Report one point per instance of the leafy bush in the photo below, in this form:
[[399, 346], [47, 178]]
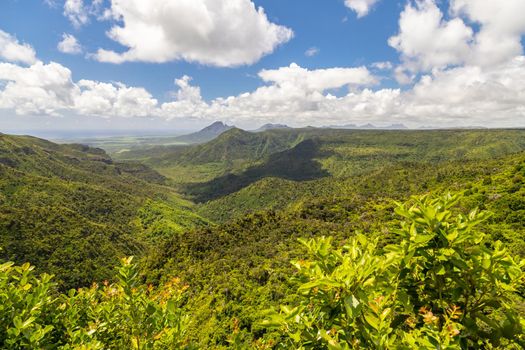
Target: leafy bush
[[124, 315], [443, 286]]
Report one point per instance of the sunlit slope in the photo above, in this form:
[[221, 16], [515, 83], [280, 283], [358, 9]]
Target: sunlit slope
[[72, 211]]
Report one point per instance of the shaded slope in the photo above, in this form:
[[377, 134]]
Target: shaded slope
[[297, 164]]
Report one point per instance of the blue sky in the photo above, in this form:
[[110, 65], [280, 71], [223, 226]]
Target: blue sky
[[429, 50], [342, 39]]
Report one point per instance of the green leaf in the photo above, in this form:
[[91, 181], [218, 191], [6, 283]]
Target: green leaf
[[372, 320]]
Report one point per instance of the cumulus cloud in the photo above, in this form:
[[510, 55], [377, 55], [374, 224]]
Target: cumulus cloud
[[465, 95], [188, 102], [113, 100], [471, 95], [502, 26], [460, 96], [69, 45], [456, 79], [361, 7], [48, 89], [319, 79], [218, 33], [12, 50], [38, 89], [426, 41]]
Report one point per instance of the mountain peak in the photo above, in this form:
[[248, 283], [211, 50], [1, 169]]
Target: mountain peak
[[216, 125], [207, 134]]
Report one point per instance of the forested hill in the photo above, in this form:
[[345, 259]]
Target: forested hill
[[242, 171], [72, 211], [234, 145], [242, 267]]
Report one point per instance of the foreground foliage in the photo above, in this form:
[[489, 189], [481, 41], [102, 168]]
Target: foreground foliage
[[123, 315], [440, 287]]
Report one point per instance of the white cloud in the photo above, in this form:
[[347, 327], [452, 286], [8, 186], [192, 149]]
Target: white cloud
[[291, 91], [426, 41], [69, 44], [460, 96], [113, 100], [186, 91], [319, 79], [51, 3], [467, 95], [76, 12], [461, 84], [502, 26], [79, 12], [313, 51], [38, 89], [471, 95], [12, 50], [48, 89], [188, 102], [219, 33], [361, 7]]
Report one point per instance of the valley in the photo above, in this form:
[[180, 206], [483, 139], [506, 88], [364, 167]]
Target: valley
[[225, 216]]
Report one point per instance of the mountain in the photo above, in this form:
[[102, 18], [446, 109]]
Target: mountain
[[398, 126], [388, 127], [72, 211], [234, 145], [267, 127], [207, 134], [369, 126]]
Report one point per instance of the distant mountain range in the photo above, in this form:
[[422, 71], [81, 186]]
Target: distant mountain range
[[473, 127], [266, 127], [207, 134], [216, 129], [370, 127]]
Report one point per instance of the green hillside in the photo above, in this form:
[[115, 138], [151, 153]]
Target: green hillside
[[313, 158], [217, 232], [245, 262], [72, 211], [233, 145]]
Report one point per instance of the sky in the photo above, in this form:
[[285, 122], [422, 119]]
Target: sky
[[171, 65]]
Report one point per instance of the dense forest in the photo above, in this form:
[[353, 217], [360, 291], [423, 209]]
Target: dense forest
[[282, 239]]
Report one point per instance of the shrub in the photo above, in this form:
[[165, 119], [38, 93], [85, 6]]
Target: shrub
[[443, 286], [122, 315]]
